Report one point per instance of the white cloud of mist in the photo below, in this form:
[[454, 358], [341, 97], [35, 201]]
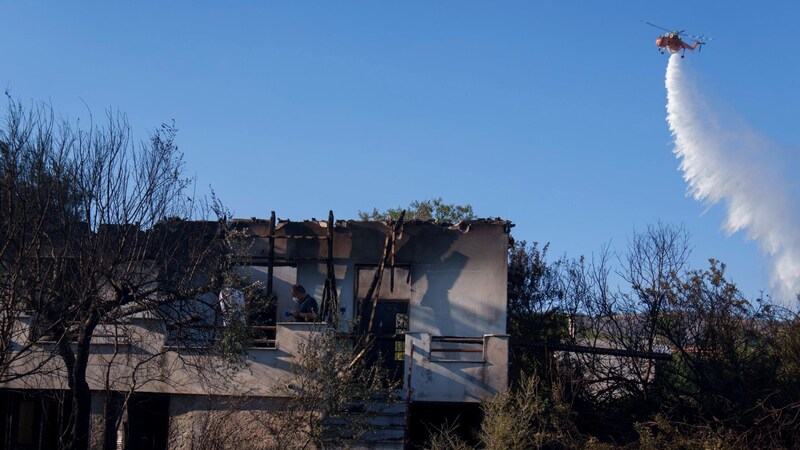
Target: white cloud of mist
[[723, 160]]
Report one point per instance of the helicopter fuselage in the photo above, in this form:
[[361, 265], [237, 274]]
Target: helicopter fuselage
[[673, 43]]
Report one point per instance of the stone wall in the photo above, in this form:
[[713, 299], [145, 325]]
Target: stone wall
[[200, 423]]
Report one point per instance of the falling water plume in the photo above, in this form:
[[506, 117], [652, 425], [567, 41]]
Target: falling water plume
[[722, 160]]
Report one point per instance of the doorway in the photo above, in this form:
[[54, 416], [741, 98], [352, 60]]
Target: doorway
[[391, 318]]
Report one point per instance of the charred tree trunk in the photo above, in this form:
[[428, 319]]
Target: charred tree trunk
[[78, 438], [111, 413]]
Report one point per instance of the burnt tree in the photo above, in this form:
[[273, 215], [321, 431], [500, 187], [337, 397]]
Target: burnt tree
[[94, 231]]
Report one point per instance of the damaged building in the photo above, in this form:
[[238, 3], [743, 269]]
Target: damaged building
[[431, 297]]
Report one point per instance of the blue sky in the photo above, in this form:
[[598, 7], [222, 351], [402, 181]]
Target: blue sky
[[549, 114]]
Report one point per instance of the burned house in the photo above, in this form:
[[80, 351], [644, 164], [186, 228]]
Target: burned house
[[430, 296]]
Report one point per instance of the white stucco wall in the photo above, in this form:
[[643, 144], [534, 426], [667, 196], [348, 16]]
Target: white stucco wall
[[458, 276]]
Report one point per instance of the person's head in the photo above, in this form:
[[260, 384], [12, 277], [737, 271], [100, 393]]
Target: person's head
[[298, 292]]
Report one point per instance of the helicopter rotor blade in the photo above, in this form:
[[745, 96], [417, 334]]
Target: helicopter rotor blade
[[660, 28], [682, 33], [701, 38]]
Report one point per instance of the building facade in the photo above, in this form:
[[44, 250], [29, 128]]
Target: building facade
[[432, 295]]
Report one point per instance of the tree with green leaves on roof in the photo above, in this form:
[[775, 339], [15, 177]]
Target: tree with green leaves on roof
[[431, 209]]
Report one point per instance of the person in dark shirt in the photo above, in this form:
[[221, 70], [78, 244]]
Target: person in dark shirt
[[307, 307]]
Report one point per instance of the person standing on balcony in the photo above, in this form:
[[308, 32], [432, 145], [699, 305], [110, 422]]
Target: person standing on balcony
[[307, 307]]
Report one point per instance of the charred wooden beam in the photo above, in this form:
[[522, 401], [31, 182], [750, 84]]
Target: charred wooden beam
[[271, 254], [375, 286], [331, 281]]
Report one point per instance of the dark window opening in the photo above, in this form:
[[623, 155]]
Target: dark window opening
[[33, 420], [147, 427]]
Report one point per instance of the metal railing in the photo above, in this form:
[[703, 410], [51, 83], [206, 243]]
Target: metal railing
[[448, 345]]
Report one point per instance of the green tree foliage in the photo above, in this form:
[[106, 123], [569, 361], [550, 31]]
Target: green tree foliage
[[536, 313], [735, 362], [730, 362], [532, 414], [535, 294], [432, 209]]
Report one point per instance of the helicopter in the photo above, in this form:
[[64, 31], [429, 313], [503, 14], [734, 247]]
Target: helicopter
[[672, 41]]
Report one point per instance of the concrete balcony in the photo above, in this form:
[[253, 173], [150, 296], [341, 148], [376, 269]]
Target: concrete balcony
[[456, 369]]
